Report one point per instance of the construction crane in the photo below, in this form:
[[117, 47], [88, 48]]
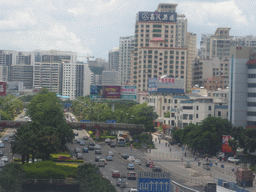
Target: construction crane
[[87, 57]]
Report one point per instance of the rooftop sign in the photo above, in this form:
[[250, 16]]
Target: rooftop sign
[[157, 16]]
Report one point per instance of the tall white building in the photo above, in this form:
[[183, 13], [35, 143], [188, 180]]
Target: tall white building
[[69, 79], [88, 79], [126, 47], [113, 59]]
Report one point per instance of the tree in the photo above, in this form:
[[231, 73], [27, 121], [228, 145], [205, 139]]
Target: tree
[[11, 177]]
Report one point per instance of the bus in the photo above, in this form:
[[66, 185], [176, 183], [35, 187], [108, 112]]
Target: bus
[[120, 142]]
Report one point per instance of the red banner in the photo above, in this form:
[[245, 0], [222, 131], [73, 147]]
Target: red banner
[[2, 88]]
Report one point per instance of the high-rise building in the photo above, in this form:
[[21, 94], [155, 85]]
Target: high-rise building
[[192, 53], [110, 78], [242, 94], [22, 73], [67, 78], [113, 59], [155, 53], [126, 47], [88, 79], [3, 73], [6, 59]]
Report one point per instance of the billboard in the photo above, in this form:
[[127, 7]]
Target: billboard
[[157, 16], [96, 91], [2, 88], [166, 85], [225, 146], [112, 92], [128, 92]]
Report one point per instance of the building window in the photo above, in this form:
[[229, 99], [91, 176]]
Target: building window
[[169, 100], [251, 84], [175, 101], [251, 75], [219, 113], [187, 107], [168, 108], [185, 116], [209, 108], [190, 117], [163, 107], [251, 94], [197, 116], [250, 113], [165, 100], [197, 107], [157, 26], [251, 104]]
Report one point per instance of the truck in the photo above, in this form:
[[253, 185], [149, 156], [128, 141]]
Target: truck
[[245, 177]]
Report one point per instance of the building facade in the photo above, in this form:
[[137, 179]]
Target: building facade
[[110, 78], [113, 59], [126, 47], [154, 53]]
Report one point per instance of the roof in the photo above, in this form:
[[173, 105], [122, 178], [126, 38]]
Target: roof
[[251, 62], [157, 39]]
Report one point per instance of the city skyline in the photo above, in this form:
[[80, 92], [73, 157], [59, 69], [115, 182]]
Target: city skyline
[[95, 27]]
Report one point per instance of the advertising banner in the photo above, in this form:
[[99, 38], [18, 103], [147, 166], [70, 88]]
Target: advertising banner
[[225, 146], [96, 91], [166, 85], [112, 92], [128, 96], [128, 90], [2, 88], [157, 16]]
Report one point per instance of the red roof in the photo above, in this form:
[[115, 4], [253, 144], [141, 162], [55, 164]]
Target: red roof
[[251, 62], [157, 39]]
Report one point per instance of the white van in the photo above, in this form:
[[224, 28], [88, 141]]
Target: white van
[[101, 163]]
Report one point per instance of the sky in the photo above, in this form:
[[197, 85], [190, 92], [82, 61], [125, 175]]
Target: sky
[[94, 26]]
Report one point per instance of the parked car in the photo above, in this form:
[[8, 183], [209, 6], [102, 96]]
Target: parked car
[[157, 169], [102, 163], [233, 160], [1, 153], [97, 147], [107, 140], [125, 156], [91, 144], [64, 158], [131, 176], [147, 164], [85, 138], [4, 158], [6, 139], [97, 151], [91, 147], [79, 156], [131, 158], [111, 153], [112, 145], [78, 140], [130, 166], [115, 174], [110, 142], [85, 150], [120, 182], [76, 134], [137, 162], [12, 135], [109, 158], [97, 158]]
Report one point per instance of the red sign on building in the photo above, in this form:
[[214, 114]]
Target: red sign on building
[[225, 145], [2, 88]]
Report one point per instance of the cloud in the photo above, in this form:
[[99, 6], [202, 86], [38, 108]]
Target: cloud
[[209, 12], [19, 20]]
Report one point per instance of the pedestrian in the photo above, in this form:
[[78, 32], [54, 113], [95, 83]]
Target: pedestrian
[[159, 141], [168, 144], [222, 166], [216, 163], [233, 169], [199, 162], [149, 150], [207, 159], [170, 149], [165, 144], [185, 154]]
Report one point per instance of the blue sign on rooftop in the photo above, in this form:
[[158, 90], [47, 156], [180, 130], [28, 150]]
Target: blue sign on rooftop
[[154, 185], [110, 121]]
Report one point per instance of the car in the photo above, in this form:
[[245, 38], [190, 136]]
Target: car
[[97, 147], [112, 145], [107, 140], [2, 145], [4, 158], [233, 160], [6, 139], [78, 140], [125, 156], [91, 144], [115, 174], [79, 156], [1, 153], [110, 142], [130, 166], [2, 164], [97, 158], [77, 150], [132, 190], [137, 161], [102, 163], [109, 158], [131, 176], [157, 169], [12, 135], [97, 151], [85, 138], [76, 134], [91, 147], [64, 158], [121, 182], [82, 143], [111, 153], [85, 150], [131, 158]]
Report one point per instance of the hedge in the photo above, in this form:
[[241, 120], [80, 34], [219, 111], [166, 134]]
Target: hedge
[[56, 160], [44, 170], [60, 154]]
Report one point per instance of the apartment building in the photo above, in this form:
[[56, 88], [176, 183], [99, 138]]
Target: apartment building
[[88, 79], [110, 78], [242, 91], [22, 73], [126, 47], [113, 59], [155, 53]]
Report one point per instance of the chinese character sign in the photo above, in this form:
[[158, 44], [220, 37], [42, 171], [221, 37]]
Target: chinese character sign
[[157, 16], [112, 92], [225, 145]]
